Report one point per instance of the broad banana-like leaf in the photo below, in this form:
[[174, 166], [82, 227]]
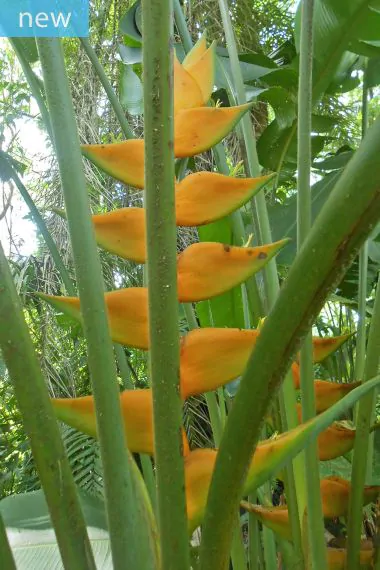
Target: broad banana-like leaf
[[336, 558], [197, 130], [202, 70], [127, 314], [208, 269], [124, 161], [187, 93], [205, 197], [137, 412]]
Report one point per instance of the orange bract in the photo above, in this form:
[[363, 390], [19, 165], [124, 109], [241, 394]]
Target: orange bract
[[127, 314], [328, 393], [208, 269], [196, 51], [124, 161], [204, 197], [275, 518], [211, 357], [326, 345], [197, 130], [335, 493], [137, 412], [336, 558], [202, 70], [187, 92], [336, 440], [122, 232]]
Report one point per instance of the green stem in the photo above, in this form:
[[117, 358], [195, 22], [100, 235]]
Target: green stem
[[7, 560], [316, 530], [115, 104], [150, 481], [125, 371], [264, 232], [238, 555], [126, 535], [33, 82], [162, 281], [253, 536], [180, 23], [42, 428], [362, 436], [329, 248], [363, 261]]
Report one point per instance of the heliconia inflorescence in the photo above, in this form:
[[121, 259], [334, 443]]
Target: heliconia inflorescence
[[209, 357]]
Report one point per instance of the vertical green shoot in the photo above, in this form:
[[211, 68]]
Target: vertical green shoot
[[42, 428], [362, 440], [162, 280], [127, 533], [316, 532], [363, 261]]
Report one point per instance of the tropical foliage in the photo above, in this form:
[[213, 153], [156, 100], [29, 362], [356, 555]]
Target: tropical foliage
[[233, 419]]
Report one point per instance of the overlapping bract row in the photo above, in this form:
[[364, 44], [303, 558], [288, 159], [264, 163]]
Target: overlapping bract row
[[210, 357]]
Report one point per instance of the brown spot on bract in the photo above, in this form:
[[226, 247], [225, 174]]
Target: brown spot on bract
[[262, 255], [226, 248]]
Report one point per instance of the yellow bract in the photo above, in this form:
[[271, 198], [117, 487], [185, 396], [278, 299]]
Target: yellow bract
[[122, 232], [328, 393], [275, 518], [124, 161], [202, 69], [196, 51], [336, 558], [127, 314], [204, 197], [211, 357], [336, 440], [187, 92], [137, 413], [197, 130], [208, 269]]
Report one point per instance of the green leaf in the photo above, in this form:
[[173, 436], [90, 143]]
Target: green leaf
[[282, 103], [130, 55], [334, 162], [32, 537], [373, 72], [271, 144], [130, 25], [131, 91], [28, 47], [227, 309], [283, 217]]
